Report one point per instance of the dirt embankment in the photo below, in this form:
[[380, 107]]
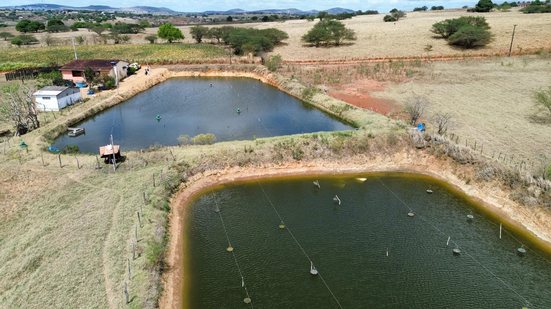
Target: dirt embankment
[[493, 198]]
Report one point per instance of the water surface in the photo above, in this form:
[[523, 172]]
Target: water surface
[[349, 245], [230, 108]]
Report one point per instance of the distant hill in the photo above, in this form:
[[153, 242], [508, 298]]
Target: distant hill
[[166, 11]]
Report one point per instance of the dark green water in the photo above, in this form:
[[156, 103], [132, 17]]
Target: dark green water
[[194, 106], [348, 245]]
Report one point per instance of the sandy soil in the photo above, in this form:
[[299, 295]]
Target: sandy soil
[[492, 198], [358, 94]]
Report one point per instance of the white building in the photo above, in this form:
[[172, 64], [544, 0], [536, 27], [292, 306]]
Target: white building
[[54, 98]]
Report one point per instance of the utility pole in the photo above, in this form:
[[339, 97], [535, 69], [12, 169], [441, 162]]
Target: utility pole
[[512, 38]]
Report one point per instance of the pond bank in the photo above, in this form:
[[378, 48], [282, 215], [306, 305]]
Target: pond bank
[[492, 198], [140, 82]]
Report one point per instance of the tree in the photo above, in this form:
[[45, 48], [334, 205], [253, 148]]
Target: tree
[[6, 35], [436, 8], [56, 25], [215, 33], [24, 39], [543, 99], [198, 32], [423, 8], [415, 108], [322, 15], [151, 38], [470, 37], [89, 76], [484, 6], [17, 105], [229, 19], [442, 121], [328, 31], [26, 25], [448, 27], [170, 33]]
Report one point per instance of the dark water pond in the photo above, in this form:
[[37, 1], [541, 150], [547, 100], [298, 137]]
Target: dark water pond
[[348, 245], [201, 105]]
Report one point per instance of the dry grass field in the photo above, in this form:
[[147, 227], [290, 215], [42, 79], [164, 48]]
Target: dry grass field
[[491, 102], [406, 38]]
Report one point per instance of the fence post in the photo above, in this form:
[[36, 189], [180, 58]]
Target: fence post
[[59, 158]]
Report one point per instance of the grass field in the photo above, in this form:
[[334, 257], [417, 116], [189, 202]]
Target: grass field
[[491, 102], [14, 58]]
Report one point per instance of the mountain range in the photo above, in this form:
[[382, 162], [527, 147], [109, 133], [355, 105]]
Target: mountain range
[[167, 11]]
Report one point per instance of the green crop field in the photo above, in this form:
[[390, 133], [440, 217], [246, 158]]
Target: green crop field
[[17, 58]]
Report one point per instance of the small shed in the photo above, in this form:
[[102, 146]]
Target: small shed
[[110, 153], [54, 98]]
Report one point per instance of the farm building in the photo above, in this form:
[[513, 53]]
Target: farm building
[[74, 70], [54, 98]]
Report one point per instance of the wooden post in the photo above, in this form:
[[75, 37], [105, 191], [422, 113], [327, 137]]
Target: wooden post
[[136, 232], [173, 157], [78, 164], [475, 145], [59, 158], [129, 271], [139, 218], [126, 295], [97, 163], [42, 158], [144, 198], [153, 180], [133, 250]]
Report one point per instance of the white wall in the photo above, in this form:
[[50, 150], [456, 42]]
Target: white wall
[[122, 66], [54, 104]]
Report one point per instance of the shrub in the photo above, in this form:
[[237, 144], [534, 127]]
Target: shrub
[[328, 32], [543, 99], [70, 149], [244, 40], [537, 7], [24, 39], [6, 35], [26, 25], [151, 38], [273, 62], [470, 37], [184, 139], [421, 9], [198, 32], [56, 25], [437, 8], [204, 139], [389, 18], [466, 31]]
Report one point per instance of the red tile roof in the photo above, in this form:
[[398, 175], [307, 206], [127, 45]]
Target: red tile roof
[[95, 64]]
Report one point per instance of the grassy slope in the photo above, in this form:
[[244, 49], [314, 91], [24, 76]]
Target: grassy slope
[[15, 58]]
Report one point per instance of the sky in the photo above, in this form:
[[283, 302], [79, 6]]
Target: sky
[[204, 5]]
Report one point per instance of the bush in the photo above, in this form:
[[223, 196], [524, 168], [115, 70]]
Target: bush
[[470, 37], [198, 32], [389, 18], [204, 139], [421, 9], [537, 7], [24, 39], [448, 27], [70, 149], [6, 35], [151, 38], [328, 32], [543, 99], [466, 31], [273, 62], [244, 40], [184, 139], [56, 25], [437, 8]]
